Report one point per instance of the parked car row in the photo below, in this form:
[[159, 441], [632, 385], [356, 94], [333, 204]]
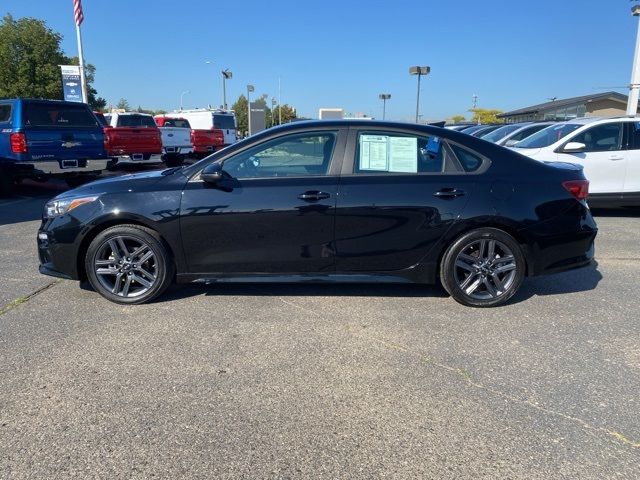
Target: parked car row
[[608, 149], [40, 139]]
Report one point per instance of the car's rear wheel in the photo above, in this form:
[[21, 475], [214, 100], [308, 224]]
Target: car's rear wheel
[[128, 264], [483, 268]]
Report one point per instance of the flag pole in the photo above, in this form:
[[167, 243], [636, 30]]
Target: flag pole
[[83, 79]]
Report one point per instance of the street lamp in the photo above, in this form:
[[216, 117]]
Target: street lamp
[[384, 97], [634, 88], [226, 75], [182, 95], [249, 90], [419, 71]]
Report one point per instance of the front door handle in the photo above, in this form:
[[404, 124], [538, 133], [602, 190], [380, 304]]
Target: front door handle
[[449, 193], [313, 196], [616, 157]]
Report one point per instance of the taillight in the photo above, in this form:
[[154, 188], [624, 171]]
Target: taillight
[[578, 188], [18, 143], [192, 136]]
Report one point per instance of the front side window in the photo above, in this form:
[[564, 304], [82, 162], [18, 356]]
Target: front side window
[[548, 136], [379, 152], [291, 156], [601, 138]]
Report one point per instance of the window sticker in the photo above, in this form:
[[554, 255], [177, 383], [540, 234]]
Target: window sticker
[[403, 154], [374, 152]]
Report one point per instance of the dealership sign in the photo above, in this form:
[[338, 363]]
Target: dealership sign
[[71, 85]]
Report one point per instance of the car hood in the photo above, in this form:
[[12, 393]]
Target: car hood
[[117, 184]]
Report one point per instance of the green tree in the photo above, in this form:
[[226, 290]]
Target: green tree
[[30, 56], [288, 113], [123, 105], [483, 115], [240, 109], [30, 59], [458, 118]]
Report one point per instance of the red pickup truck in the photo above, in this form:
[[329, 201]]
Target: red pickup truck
[[131, 137]]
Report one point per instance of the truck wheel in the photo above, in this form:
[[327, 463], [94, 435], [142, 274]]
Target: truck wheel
[[74, 182], [174, 161]]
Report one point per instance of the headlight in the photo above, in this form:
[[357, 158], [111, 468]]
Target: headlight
[[65, 205]]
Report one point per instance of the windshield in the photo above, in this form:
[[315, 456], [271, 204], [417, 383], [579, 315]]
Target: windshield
[[548, 136], [500, 133]]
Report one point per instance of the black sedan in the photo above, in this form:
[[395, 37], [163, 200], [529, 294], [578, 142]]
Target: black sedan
[[359, 201]]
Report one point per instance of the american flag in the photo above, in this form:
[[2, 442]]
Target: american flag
[[77, 11]]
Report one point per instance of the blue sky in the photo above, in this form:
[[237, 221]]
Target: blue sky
[[344, 53]]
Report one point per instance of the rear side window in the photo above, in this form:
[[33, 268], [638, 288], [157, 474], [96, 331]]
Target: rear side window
[[5, 113], [224, 122], [391, 152], [470, 161], [136, 121], [53, 115], [634, 141]]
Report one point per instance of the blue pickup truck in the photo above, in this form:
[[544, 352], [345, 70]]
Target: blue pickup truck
[[40, 139]]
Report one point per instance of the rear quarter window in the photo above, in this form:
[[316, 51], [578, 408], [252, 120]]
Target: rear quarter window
[[54, 115], [470, 161], [5, 113]]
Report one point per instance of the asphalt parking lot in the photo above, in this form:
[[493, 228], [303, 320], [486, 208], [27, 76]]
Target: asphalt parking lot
[[327, 381]]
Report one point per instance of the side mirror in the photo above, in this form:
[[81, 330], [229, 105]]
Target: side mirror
[[574, 147], [510, 143], [212, 173]]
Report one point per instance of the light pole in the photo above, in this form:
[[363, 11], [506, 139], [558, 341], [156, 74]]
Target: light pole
[[419, 71], [182, 95], [634, 88], [249, 90], [274, 102], [226, 75], [384, 97]]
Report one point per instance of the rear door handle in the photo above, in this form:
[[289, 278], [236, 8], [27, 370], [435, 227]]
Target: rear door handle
[[449, 193], [616, 157], [313, 196]]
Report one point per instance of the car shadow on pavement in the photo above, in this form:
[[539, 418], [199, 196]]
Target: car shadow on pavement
[[615, 212], [572, 281], [177, 292], [580, 280]]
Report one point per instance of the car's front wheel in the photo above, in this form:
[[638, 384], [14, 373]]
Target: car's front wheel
[[483, 268], [128, 264]]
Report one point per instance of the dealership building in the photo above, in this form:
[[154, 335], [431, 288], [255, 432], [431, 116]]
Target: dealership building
[[607, 104]]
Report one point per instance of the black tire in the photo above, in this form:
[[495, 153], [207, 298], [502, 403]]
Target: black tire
[[471, 278], [173, 160], [160, 265], [80, 180]]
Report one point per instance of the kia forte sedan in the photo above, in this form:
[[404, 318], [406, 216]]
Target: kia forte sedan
[[344, 201]]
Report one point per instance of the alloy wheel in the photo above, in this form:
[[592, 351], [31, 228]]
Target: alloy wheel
[[126, 266], [485, 269]]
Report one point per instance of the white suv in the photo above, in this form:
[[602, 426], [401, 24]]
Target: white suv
[[607, 148]]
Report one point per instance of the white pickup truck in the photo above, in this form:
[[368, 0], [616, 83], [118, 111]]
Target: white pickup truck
[[176, 139]]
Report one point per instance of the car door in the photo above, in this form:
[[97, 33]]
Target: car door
[[399, 193], [604, 157], [273, 212]]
